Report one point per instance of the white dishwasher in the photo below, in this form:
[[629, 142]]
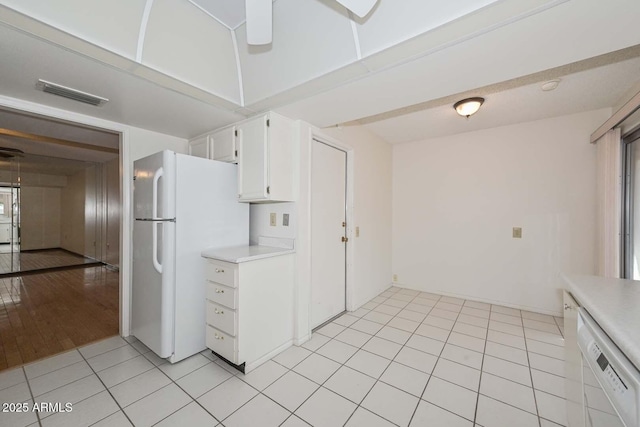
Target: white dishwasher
[[611, 384]]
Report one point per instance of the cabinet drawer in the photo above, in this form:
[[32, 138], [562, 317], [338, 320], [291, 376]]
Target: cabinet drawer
[[219, 273], [222, 318], [223, 344], [222, 295]]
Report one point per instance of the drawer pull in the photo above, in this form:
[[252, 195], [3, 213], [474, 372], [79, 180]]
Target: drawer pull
[[219, 270], [216, 311], [219, 337], [219, 291]]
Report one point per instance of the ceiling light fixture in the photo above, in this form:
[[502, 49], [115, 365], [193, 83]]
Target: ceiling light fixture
[[550, 85], [468, 106]]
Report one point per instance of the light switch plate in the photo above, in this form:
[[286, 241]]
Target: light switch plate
[[357, 231], [273, 219], [517, 232]]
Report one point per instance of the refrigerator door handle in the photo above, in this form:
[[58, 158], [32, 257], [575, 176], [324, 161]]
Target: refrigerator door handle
[[156, 177], [154, 243]]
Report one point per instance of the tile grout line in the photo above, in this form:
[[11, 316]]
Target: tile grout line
[[420, 399], [533, 388], [345, 365], [33, 399], [184, 391], [358, 405], [105, 386], [385, 370], [484, 352]]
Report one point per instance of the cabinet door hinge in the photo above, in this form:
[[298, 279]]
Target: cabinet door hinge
[[236, 153], [268, 122], [268, 189], [235, 132]]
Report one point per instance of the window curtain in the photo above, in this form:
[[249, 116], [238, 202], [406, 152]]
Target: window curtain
[[609, 187]]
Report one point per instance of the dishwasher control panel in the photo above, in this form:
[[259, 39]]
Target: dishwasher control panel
[[609, 373]]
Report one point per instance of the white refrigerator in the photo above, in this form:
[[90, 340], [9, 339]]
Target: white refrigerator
[[182, 205]]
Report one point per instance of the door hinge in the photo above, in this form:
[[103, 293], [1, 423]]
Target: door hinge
[[268, 122], [268, 189], [236, 153], [235, 132]]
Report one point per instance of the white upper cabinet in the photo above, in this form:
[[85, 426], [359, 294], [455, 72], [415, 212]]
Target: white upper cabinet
[[224, 145], [266, 155], [201, 146]]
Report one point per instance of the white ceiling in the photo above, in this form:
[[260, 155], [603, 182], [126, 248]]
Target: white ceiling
[[593, 89], [231, 13], [59, 156], [43, 165], [189, 73]]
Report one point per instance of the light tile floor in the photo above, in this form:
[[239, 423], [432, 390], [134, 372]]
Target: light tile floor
[[405, 358]]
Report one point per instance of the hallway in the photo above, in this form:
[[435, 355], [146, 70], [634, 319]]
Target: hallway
[[44, 314]]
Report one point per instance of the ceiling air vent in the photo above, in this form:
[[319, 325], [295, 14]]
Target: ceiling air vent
[[67, 92]]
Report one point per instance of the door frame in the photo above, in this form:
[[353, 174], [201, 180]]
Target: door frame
[[302, 310]]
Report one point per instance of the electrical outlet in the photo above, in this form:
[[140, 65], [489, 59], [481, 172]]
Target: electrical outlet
[[395, 277], [517, 232], [285, 220], [273, 219], [357, 231]]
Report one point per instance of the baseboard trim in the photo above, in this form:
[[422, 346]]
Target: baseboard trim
[[486, 301], [50, 269]]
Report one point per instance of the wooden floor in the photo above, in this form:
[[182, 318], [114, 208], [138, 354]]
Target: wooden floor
[[37, 260], [44, 314]]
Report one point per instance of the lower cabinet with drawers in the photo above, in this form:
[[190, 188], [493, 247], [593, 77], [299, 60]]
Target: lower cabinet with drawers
[[249, 309]]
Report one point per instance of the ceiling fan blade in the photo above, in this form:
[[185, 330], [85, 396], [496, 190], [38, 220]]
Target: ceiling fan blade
[[259, 21], [359, 7]]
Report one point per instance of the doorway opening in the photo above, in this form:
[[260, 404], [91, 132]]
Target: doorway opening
[[60, 202]]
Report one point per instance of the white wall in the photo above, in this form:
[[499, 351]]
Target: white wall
[[73, 223], [259, 217], [456, 199], [40, 214], [371, 210]]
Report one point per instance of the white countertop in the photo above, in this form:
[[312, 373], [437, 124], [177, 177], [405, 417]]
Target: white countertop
[[238, 254], [615, 305]]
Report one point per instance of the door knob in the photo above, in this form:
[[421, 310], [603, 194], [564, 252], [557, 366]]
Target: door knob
[[345, 239]]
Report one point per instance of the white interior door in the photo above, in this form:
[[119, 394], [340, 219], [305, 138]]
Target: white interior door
[[328, 228]]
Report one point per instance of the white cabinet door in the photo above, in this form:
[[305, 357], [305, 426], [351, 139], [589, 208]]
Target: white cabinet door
[[224, 145], [253, 151], [266, 158], [572, 364], [200, 147]]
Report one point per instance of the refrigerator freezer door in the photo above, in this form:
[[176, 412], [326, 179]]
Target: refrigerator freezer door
[[154, 186], [153, 285]]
